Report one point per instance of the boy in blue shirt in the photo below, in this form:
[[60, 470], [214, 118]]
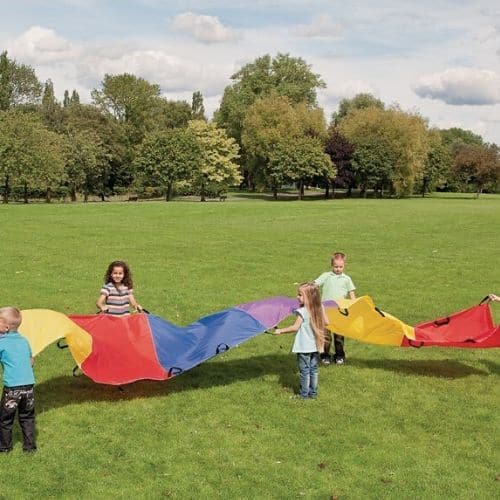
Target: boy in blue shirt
[[18, 381], [336, 285]]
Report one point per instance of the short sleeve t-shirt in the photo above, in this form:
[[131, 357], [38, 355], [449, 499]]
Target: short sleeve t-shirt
[[117, 299], [15, 358], [305, 341], [335, 286]]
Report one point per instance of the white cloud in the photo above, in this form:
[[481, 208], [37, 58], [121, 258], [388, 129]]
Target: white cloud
[[41, 45], [322, 26], [461, 86], [207, 29]]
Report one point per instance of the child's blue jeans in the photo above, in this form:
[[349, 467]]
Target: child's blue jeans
[[308, 368]]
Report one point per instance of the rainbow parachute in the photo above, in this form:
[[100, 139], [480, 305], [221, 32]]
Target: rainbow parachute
[[114, 350]]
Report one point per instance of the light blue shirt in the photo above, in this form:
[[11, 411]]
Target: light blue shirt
[[335, 286], [305, 341], [15, 358]]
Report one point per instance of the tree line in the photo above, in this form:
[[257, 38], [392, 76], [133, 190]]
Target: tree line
[[267, 132]]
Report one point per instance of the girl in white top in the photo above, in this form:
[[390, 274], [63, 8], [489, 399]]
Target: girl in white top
[[310, 339]]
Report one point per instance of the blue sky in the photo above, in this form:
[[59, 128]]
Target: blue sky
[[440, 58]]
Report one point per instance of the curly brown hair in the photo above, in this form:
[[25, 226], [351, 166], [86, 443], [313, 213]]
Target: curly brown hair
[[127, 273]]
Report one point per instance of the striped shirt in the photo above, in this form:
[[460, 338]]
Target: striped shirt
[[117, 299]]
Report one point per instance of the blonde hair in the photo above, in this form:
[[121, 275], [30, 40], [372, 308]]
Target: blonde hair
[[338, 256], [312, 302], [12, 316]]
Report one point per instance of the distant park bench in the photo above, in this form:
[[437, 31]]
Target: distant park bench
[[133, 197]]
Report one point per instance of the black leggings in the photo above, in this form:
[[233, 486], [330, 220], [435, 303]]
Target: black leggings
[[20, 399]]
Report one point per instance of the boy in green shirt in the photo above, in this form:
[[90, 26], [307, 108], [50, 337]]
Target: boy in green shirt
[[336, 285]]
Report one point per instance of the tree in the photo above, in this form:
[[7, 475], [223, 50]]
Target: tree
[[217, 168], [131, 100], [359, 101], [390, 147], [167, 156], [436, 164], [197, 107], [50, 109], [297, 160], [83, 155], [18, 84], [284, 75], [109, 135], [341, 152], [272, 120], [170, 114], [30, 154], [478, 165]]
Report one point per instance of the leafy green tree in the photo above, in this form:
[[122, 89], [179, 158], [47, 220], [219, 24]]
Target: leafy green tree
[[390, 147], [359, 101], [437, 163], [272, 120], [30, 155], [83, 161], [18, 84], [297, 160], [166, 157], [217, 168], [51, 111], [197, 107], [131, 100], [170, 114], [108, 135], [455, 136], [284, 75]]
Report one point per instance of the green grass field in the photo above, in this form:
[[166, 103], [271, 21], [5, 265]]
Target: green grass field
[[391, 423]]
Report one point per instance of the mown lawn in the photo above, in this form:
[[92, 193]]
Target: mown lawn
[[391, 423]]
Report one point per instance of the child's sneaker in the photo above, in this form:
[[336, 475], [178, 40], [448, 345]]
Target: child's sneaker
[[325, 359], [339, 360]]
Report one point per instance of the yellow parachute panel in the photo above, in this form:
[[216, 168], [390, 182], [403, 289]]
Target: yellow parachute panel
[[43, 327], [361, 320]]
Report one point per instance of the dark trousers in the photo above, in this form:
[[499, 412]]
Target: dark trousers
[[20, 399], [338, 343]]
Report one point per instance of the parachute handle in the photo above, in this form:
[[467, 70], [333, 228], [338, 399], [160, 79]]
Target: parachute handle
[[486, 299], [344, 312], [75, 369], [221, 348], [442, 321], [414, 344], [380, 312], [175, 370], [61, 346]]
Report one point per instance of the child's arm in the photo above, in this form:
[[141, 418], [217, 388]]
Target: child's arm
[[325, 317], [352, 295], [101, 303], [133, 303], [290, 329]]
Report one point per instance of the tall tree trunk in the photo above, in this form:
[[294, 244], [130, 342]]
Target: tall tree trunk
[[275, 193], [72, 193], [327, 191], [6, 190], [25, 192], [168, 193], [301, 189], [48, 196]]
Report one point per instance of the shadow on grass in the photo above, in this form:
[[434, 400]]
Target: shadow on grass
[[450, 369], [66, 390]]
